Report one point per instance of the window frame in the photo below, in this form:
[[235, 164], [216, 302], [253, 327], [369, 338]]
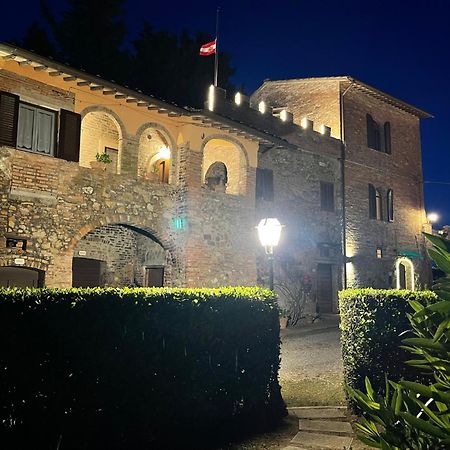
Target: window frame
[[53, 133]]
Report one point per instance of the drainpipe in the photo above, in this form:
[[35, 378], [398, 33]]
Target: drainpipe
[[342, 159]]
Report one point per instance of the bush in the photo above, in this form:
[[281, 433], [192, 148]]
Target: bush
[[372, 325], [131, 368]]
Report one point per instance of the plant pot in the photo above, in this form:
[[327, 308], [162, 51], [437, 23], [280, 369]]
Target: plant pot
[[97, 165]]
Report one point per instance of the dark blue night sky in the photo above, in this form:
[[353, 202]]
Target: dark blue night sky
[[401, 47]]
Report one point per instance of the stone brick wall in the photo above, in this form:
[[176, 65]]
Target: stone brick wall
[[296, 204], [319, 100], [305, 98]]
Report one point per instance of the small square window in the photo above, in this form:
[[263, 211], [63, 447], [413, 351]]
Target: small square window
[[379, 252]]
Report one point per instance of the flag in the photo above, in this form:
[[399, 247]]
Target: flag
[[208, 49]]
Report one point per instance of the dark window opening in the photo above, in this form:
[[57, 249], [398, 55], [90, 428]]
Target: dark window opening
[[378, 135], [154, 277], [326, 196], [264, 184]]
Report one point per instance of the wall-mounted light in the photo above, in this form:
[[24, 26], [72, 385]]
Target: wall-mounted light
[[211, 98], [262, 107], [433, 217], [238, 98], [304, 122], [283, 115], [164, 153]]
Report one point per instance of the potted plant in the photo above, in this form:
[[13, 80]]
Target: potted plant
[[101, 160]]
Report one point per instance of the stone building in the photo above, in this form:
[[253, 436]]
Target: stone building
[[178, 201]]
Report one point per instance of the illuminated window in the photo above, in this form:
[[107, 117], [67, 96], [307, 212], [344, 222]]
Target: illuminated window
[[379, 252]]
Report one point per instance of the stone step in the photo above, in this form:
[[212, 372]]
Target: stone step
[[318, 412], [326, 426], [321, 441]]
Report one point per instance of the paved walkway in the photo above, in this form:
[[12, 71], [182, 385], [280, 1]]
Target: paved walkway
[[321, 428]]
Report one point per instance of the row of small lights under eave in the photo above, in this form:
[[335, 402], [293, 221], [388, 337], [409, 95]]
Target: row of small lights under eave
[[306, 124]]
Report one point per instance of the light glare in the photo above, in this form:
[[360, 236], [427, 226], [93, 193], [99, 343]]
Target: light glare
[[433, 217], [269, 232], [262, 107]]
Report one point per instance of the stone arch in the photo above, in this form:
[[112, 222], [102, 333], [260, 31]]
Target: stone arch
[[152, 137], [405, 274], [170, 257], [229, 151], [29, 274], [102, 131]]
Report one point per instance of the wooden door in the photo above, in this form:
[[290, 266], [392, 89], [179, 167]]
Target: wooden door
[[87, 272], [154, 277], [21, 277], [324, 288]]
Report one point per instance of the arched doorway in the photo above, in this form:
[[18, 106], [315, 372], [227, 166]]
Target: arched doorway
[[100, 134], [11, 276], [223, 160], [118, 255], [405, 274], [155, 155]]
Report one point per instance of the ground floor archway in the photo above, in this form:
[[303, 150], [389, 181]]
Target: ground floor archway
[[119, 255]]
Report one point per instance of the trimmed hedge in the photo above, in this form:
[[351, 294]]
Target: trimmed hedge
[[126, 368], [372, 321]]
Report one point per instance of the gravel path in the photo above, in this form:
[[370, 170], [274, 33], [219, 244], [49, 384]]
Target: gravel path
[[314, 354], [311, 365]]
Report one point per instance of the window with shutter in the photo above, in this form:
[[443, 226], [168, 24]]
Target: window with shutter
[[373, 133], [69, 136], [264, 184], [379, 205], [9, 112], [390, 206], [36, 129], [387, 137], [326, 196], [372, 202]]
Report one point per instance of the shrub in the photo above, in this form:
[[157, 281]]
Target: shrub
[[373, 324], [411, 415], [128, 368]]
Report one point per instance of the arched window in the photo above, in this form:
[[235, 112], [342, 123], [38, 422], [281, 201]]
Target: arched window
[[216, 177], [375, 203], [390, 205]]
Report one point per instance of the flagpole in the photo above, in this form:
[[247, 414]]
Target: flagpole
[[216, 58]]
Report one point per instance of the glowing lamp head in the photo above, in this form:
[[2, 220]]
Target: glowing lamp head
[[304, 122], [238, 98], [283, 115], [269, 232], [433, 217], [164, 153], [262, 107]]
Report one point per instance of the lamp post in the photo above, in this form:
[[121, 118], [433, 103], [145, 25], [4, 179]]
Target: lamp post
[[269, 232]]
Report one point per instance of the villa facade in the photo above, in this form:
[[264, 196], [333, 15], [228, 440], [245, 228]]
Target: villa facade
[[178, 198]]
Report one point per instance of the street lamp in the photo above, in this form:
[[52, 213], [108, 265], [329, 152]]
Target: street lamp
[[433, 217], [269, 232]]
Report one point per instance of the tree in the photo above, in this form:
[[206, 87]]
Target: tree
[[171, 67], [93, 36]]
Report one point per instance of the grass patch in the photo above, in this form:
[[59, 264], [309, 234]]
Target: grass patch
[[304, 391]]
